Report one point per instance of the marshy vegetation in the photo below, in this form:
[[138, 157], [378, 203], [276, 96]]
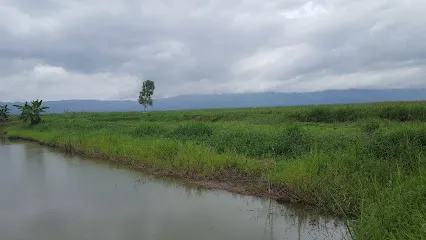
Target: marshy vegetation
[[364, 162]]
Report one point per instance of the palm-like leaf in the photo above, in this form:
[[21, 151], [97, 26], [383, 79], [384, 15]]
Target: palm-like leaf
[[31, 113], [4, 112]]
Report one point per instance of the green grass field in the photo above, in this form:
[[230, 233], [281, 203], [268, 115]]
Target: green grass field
[[364, 162]]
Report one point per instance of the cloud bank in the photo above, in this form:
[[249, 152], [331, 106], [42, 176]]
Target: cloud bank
[[94, 49]]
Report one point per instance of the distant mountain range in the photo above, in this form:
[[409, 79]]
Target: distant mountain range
[[267, 99]]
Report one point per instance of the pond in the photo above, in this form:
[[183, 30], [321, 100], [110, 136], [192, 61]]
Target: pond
[[49, 195]]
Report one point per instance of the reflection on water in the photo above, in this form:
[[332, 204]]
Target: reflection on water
[[48, 195]]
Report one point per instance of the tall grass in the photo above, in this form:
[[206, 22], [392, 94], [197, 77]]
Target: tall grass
[[364, 162], [399, 111]]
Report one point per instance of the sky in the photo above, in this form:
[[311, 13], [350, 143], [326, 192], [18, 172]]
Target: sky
[[96, 49]]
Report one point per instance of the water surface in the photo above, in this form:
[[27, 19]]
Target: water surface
[[46, 195]]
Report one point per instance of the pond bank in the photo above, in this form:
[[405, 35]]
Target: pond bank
[[258, 188], [47, 194]]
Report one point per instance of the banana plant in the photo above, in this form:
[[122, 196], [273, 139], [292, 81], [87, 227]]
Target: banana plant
[[31, 113], [37, 109], [4, 113], [25, 111]]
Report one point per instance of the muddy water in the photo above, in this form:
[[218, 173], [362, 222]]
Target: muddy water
[[48, 195]]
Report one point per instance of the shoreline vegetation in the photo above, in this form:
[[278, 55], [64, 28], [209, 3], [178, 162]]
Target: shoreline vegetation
[[363, 162]]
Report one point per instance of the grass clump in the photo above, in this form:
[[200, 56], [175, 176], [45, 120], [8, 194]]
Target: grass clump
[[190, 131], [293, 141], [402, 146], [370, 126], [242, 141], [147, 130]]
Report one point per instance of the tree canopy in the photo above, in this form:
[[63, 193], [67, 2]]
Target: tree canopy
[[145, 96]]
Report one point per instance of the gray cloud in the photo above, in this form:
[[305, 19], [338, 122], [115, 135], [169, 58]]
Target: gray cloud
[[78, 49]]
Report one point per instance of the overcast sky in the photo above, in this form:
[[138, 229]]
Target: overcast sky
[[97, 49]]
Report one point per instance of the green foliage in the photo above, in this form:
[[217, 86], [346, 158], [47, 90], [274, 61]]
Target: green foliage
[[370, 126], [292, 142], [4, 113], [401, 146], [192, 131], [251, 143], [327, 114], [319, 114], [279, 115], [145, 130], [31, 113], [145, 96], [286, 142], [398, 113]]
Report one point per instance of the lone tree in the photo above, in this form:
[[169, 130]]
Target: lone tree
[[145, 95]]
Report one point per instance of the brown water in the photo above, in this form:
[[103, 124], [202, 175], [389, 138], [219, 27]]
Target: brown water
[[45, 195]]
